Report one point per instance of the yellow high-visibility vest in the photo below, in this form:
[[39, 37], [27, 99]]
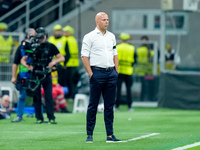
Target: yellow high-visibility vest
[[126, 58], [144, 66], [5, 48], [60, 43], [73, 50], [54, 76], [142, 55]]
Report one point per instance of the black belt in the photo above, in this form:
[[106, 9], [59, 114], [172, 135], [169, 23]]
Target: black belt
[[102, 69]]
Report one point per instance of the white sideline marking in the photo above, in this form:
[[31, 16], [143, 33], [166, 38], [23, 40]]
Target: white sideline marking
[[141, 137], [187, 146]]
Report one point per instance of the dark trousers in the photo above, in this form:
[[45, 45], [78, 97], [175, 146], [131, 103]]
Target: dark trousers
[[128, 81], [47, 85], [67, 77], [102, 82], [63, 76], [71, 82]]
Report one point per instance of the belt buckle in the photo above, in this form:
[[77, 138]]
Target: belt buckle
[[108, 69]]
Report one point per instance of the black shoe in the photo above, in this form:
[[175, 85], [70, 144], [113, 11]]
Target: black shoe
[[38, 121], [112, 140], [17, 119], [65, 110], [89, 139], [52, 121]]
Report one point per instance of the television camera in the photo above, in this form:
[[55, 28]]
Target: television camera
[[38, 57]]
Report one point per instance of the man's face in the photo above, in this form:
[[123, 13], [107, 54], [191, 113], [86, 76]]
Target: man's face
[[5, 101], [103, 21], [42, 40], [1, 30], [32, 34], [58, 33], [65, 33]]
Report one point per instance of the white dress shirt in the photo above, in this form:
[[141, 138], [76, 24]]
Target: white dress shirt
[[99, 48]]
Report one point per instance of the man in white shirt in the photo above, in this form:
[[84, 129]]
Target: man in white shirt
[[99, 56]]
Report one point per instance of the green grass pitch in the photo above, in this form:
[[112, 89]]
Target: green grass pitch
[[176, 127]]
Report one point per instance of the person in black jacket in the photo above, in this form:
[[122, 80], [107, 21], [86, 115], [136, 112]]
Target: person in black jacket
[[45, 80]]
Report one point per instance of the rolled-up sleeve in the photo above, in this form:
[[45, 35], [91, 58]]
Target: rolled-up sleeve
[[86, 46]]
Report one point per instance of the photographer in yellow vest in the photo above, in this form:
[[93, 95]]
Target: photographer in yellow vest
[[126, 55]]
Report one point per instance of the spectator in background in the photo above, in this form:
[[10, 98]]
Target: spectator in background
[[169, 57], [144, 55], [73, 63], [60, 42], [6, 46], [126, 55], [4, 105], [6, 43]]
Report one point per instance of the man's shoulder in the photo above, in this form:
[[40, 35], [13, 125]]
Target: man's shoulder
[[1, 106], [19, 49], [51, 37], [51, 46], [89, 36], [90, 33], [48, 43]]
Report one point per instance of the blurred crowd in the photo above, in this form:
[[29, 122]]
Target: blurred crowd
[[7, 5]]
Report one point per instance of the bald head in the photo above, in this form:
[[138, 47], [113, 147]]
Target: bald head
[[99, 15], [102, 21]]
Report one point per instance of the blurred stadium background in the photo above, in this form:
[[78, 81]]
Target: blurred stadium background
[[163, 21]]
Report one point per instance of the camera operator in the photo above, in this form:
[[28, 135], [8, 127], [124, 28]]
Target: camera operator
[[48, 50], [23, 73]]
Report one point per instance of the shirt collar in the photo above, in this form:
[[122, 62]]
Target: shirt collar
[[1, 106], [97, 31]]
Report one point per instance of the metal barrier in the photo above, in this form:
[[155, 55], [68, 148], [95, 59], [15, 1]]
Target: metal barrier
[[6, 70], [29, 13], [7, 57]]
